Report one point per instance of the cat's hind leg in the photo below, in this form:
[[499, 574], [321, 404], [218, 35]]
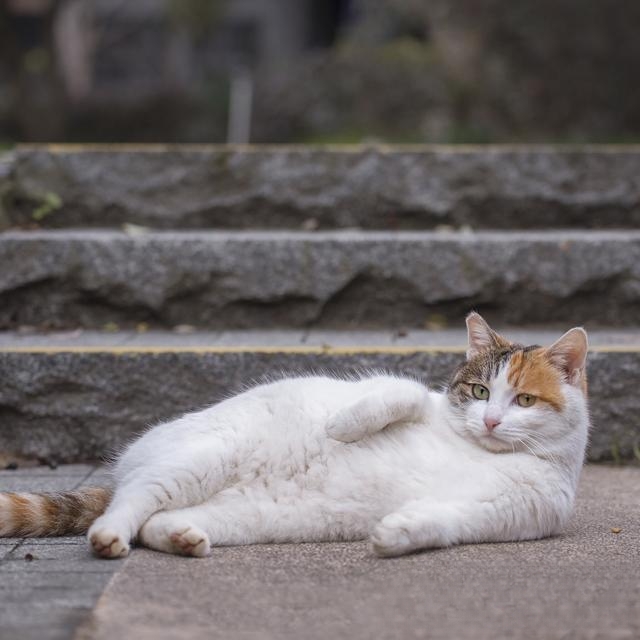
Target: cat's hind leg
[[234, 518], [185, 481], [193, 530]]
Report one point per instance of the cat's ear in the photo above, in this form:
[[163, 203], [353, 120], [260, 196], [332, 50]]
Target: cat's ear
[[481, 336], [569, 354]]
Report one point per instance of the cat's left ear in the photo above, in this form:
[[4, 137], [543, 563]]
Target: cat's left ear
[[569, 354]]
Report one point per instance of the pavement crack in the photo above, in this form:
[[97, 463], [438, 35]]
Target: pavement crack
[[85, 478]]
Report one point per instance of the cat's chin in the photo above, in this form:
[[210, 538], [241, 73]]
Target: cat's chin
[[491, 443]]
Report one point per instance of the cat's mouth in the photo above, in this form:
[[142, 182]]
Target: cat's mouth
[[493, 443]]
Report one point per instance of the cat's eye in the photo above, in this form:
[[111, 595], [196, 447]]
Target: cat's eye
[[480, 392], [526, 400]]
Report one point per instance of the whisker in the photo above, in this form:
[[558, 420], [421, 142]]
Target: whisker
[[544, 451]]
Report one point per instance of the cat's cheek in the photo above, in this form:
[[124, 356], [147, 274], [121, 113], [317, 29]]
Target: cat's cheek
[[475, 418]]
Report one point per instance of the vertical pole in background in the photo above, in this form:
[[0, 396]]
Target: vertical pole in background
[[240, 106]]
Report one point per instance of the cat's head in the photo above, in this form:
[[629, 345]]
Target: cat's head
[[511, 397]]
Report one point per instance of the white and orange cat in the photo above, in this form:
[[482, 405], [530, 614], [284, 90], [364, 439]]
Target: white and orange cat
[[494, 457]]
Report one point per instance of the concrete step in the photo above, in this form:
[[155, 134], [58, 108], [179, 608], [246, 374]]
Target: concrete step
[[81, 395], [375, 187], [49, 586], [285, 591], [339, 279]]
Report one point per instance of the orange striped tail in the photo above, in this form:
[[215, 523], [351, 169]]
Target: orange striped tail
[[51, 514]]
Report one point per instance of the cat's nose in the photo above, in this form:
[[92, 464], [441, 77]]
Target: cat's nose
[[491, 423]]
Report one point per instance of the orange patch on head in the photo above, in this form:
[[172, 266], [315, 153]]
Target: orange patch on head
[[531, 372]]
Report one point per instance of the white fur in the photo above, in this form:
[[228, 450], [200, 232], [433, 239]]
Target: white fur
[[316, 458]]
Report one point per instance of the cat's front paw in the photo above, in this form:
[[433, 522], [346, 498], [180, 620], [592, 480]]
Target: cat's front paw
[[344, 430], [391, 537]]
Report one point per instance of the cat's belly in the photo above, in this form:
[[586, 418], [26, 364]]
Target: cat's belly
[[285, 453], [271, 443], [378, 473]]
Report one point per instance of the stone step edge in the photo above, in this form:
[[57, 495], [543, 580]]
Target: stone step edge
[[267, 349], [354, 234], [292, 341], [346, 148]]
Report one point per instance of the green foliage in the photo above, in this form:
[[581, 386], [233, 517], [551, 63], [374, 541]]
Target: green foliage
[[615, 452], [360, 136], [467, 134], [198, 16], [49, 203], [408, 51], [36, 61]]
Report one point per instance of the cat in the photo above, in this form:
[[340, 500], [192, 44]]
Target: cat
[[496, 456]]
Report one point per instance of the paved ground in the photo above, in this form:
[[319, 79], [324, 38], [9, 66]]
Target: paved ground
[[584, 584], [48, 586]]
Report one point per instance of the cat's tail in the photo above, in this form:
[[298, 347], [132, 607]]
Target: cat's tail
[[51, 514]]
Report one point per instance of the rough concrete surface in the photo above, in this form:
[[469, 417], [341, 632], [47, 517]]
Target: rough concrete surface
[[584, 584], [190, 338], [379, 187], [326, 279], [79, 398], [48, 586]]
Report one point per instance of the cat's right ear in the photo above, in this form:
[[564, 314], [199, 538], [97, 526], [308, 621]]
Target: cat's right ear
[[481, 336], [569, 354]]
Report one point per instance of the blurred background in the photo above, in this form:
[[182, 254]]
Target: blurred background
[[296, 257], [319, 71]]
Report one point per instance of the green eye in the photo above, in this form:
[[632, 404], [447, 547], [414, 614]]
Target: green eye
[[526, 400], [480, 392]]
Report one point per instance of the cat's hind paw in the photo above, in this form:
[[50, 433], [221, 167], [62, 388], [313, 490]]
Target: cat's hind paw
[[191, 542], [107, 543], [171, 533]]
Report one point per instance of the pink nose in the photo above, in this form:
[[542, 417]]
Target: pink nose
[[491, 423]]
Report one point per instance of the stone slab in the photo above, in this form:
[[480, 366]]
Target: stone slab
[[80, 404], [48, 586], [330, 280], [149, 339], [378, 187], [583, 584]]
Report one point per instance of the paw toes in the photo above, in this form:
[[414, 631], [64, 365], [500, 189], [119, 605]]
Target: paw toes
[[342, 433], [192, 542], [390, 541], [108, 544]]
